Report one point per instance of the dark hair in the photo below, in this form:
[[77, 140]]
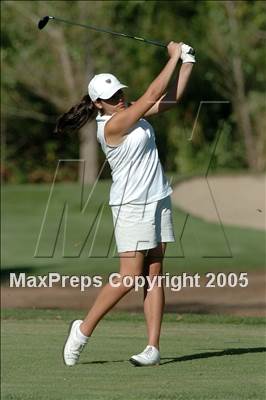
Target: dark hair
[[77, 116]]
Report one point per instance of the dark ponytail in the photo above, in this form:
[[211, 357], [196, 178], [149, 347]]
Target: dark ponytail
[[77, 116]]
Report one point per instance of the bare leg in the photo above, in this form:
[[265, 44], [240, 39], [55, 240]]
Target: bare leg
[[154, 299], [131, 264]]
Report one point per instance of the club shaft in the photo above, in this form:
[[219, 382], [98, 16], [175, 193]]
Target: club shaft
[[153, 42]]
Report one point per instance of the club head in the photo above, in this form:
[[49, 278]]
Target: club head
[[43, 22]]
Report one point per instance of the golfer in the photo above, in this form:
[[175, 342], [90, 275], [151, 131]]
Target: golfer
[[140, 193]]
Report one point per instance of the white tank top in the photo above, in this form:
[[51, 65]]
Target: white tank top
[[137, 173]]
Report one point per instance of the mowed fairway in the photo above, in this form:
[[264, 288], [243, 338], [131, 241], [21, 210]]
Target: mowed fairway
[[203, 357]]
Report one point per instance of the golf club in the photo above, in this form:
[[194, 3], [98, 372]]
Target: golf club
[[44, 21]]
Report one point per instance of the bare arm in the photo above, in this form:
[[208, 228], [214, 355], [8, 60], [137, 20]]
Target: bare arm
[[122, 121], [173, 95]]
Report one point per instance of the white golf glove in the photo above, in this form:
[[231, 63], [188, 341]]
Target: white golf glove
[[187, 54]]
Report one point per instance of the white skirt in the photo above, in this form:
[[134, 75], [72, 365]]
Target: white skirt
[[143, 226]]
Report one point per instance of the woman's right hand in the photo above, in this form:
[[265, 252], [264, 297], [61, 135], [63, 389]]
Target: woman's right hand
[[174, 49]]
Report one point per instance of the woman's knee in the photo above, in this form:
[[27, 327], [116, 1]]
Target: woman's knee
[[126, 282], [153, 267], [154, 261], [131, 267]]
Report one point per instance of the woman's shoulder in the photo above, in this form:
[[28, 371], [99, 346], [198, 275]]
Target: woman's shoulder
[[102, 118]]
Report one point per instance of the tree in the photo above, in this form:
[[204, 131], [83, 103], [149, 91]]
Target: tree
[[233, 56], [46, 72], [52, 64]]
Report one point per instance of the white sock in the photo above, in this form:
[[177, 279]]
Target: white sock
[[82, 338]]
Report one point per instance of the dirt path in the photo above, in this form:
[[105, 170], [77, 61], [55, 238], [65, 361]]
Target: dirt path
[[249, 301], [239, 200]]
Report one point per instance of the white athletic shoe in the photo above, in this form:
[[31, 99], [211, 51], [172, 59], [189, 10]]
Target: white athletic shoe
[[73, 346], [149, 356]]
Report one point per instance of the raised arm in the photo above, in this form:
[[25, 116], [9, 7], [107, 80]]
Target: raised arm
[[173, 95], [122, 121], [175, 92]]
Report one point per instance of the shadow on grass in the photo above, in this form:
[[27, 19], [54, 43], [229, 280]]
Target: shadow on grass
[[226, 352], [102, 362]]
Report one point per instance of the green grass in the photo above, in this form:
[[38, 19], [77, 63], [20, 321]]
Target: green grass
[[203, 358], [23, 208]]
